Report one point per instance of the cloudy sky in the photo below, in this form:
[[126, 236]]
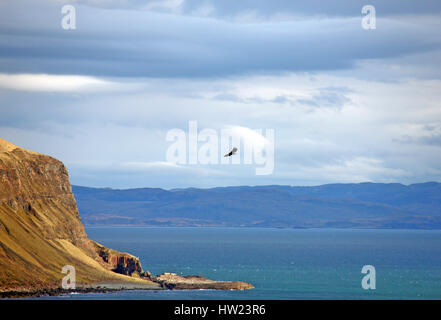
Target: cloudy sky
[[346, 104]]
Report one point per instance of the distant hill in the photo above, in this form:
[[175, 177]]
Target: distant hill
[[363, 205]]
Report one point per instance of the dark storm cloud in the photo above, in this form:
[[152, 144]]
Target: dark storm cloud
[[227, 8], [125, 43], [339, 97], [318, 7]]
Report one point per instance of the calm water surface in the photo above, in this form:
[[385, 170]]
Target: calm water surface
[[282, 263]]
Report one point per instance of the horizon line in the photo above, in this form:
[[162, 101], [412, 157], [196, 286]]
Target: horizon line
[[254, 186]]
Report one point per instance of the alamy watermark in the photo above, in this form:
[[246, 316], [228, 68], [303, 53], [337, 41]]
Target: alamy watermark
[[369, 281], [235, 145], [69, 19], [369, 18], [69, 281]]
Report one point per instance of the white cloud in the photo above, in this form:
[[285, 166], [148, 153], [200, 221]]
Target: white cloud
[[250, 137], [360, 169], [150, 165], [53, 83], [378, 136], [173, 6]]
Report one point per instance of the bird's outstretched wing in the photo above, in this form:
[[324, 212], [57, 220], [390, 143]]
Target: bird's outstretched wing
[[229, 154]]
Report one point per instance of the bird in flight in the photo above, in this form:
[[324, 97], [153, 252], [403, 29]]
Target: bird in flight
[[229, 154]]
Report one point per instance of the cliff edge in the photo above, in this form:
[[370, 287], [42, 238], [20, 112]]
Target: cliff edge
[[41, 230]]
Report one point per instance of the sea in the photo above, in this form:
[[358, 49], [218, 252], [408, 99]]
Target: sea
[[282, 263]]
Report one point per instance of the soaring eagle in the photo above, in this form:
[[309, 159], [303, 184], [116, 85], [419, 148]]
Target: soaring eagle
[[229, 154]]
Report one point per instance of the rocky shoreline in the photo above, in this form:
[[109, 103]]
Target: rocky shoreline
[[51, 292], [172, 281], [165, 281]]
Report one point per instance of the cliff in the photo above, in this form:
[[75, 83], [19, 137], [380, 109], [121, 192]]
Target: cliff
[[41, 230]]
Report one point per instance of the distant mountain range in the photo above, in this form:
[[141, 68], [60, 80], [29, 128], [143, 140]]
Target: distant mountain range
[[363, 205]]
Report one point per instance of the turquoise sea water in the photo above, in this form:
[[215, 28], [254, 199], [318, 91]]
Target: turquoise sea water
[[283, 263]]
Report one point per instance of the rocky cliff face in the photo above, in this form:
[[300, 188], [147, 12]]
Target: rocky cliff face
[[122, 263], [41, 230]]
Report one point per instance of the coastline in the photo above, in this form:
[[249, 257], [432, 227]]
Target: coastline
[[166, 281], [100, 287]]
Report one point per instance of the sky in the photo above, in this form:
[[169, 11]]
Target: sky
[[345, 104]]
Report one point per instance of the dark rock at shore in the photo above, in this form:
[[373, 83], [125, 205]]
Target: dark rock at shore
[[173, 281]]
